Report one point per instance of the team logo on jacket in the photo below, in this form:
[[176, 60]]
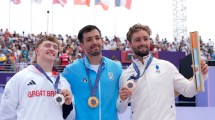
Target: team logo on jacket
[[110, 75], [84, 80], [31, 83]]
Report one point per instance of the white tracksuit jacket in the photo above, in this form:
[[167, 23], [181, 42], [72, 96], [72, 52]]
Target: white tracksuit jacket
[[28, 95], [153, 98]]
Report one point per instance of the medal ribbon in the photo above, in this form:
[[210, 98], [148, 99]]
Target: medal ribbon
[[57, 79], [138, 71], [94, 88]]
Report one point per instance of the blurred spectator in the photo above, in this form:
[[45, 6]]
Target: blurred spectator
[[113, 44], [168, 47], [172, 48], [175, 41], [4, 48], [17, 51], [6, 35], [156, 48], [182, 47], [2, 56], [1, 32], [106, 45], [64, 58], [210, 47], [157, 39], [203, 54], [2, 60], [151, 44], [31, 54], [24, 51], [9, 62], [21, 63]]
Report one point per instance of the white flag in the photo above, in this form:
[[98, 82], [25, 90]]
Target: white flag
[[37, 1]]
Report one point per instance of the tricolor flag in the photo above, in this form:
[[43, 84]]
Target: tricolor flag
[[16, 2], [105, 3], [123, 3], [62, 2], [82, 2]]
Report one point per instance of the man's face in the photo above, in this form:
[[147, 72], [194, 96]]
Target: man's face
[[140, 43], [47, 51], [92, 43]]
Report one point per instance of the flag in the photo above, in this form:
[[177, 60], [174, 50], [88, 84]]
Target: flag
[[104, 3], [124, 3], [16, 2], [37, 1], [82, 2], [62, 2]]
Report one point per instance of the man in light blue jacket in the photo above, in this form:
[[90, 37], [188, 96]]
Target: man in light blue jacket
[[94, 79]]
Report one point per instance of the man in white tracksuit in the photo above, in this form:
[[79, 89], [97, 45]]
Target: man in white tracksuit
[[152, 97], [29, 94]]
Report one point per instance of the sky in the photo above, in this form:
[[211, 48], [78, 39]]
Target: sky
[[157, 14]]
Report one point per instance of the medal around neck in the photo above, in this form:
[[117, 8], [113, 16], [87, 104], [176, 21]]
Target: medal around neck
[[93, 102], [130, 84], [59, 99]]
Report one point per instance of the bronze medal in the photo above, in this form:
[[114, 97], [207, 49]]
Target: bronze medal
[[93, 102], [130, 84]]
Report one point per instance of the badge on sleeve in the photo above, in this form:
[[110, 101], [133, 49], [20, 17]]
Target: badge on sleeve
[[110, 75]]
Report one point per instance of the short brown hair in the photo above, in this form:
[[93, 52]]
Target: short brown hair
[[45, 38], [135, 28]]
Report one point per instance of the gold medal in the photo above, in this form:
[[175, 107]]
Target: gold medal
[[93, 102], [130, 84]]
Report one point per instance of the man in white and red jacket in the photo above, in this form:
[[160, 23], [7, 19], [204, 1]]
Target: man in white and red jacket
[[29, 94]]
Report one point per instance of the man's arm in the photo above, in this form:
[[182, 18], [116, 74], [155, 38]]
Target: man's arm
[[187, 87], [124, 94], [68, 112], [9, 102], [122, 101]]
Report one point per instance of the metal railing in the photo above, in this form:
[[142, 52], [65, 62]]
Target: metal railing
[[7, 68]]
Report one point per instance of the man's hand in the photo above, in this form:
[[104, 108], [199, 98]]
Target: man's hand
[[204, 67], [124, 93], [67, 95]]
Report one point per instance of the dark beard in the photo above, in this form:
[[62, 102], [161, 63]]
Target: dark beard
[[139, 53], [142, 54], [95, 53]]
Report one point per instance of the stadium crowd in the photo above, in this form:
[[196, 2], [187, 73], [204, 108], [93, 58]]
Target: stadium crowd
[[17, 50]]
